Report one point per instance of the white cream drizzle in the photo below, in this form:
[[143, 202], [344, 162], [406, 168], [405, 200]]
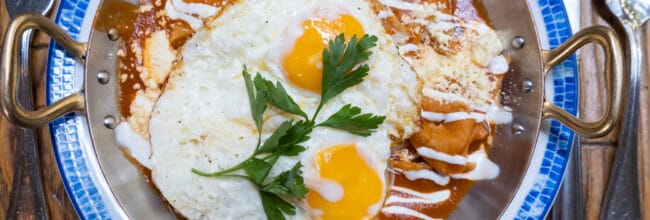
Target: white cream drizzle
[[492, 113], [328, 189], [399, 210], [202, 10], [452, 117], [485, 169], [429, 198], [384, 14], [496, 114], [433, 154], [172, 13], [444, 21], [177, 9], [399, 199], [437, 178], [401, 5]]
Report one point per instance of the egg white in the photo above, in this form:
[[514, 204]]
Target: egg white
[[202, 120]]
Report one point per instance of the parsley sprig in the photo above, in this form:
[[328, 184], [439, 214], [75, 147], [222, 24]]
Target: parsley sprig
[[342, 69]]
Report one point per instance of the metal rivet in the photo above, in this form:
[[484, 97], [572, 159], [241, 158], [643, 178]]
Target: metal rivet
[[518, 42], [527, 86], [109, 122], [113, 34], [102, 77], [518, 129]]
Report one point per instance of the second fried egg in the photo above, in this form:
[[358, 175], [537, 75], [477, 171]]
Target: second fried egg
[[202, 120]]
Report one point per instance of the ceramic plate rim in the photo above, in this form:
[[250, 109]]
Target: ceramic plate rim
[[91, 196]]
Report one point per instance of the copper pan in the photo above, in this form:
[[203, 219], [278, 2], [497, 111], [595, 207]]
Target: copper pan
[[523, 92]]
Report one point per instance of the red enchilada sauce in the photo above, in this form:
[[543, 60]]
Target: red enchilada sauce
[[455, 138], [458, 189], [136, 23]]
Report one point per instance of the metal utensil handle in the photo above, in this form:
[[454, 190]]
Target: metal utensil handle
[[614, 80], [9, 73]]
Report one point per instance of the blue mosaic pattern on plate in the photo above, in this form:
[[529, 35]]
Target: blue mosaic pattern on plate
[[89, 205], [540, 198], [65, 138]]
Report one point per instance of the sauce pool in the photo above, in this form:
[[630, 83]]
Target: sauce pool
[[136, 24]]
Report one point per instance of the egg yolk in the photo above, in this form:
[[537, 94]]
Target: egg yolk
[[362, 186], [304, 64]]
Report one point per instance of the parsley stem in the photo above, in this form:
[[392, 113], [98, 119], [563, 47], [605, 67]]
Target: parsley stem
[[338, 74], [268, 157], [320, 106], [234, 168], [222, 172], [259, 143], [235, 175]]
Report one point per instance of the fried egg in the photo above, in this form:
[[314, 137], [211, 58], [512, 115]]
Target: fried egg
[[202, 119]]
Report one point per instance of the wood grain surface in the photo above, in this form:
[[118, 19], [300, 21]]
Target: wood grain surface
[[597, 155], [56, 197]]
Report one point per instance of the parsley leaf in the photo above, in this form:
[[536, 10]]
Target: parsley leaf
[[286, 137], [279, 98], [274, 206], [297, 134], [342, 69], [292, 150], [288, 183], [295, 182], [256, 97], [271, 143], [257, 170], [338, 61], [350, 119]]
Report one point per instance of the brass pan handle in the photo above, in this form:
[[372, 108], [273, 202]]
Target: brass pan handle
[[613, 74], [9, 73]]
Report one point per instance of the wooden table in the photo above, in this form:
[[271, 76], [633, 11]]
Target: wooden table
[[58, 202], [597, 155]]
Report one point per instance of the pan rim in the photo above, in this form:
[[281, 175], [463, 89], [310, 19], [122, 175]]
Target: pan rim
[[83, 183], [535, 197]]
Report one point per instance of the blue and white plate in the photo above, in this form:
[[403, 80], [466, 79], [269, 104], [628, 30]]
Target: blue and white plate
[[91, 196]]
